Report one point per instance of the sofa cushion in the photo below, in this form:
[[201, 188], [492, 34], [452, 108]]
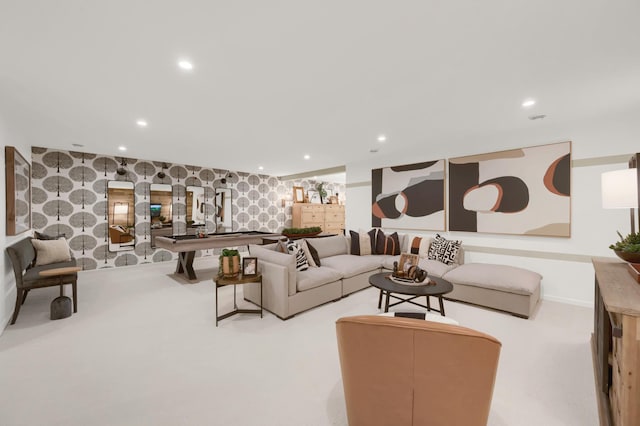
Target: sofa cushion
[[316, 277], [51, 251], [388, 244], [330, 246], [497, 277], [349, 265], [443, 250]]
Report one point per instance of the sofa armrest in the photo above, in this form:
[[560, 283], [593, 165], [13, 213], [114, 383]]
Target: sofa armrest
[[288, 261], [275, 288]]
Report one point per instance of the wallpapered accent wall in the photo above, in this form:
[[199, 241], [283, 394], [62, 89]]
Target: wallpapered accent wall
[[69, 196]]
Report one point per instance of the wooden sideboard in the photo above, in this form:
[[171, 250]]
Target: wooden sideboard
[[616, 343], [329, 217]]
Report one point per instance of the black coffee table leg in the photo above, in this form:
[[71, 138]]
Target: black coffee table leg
[[428, 304], [441, 305], [216, 304], [380, 300], [386, 303]]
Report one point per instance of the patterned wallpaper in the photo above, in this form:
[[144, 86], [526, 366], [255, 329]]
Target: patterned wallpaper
[[69, 196]]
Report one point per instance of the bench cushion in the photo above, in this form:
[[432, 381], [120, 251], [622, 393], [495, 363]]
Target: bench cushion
[[497, 277]]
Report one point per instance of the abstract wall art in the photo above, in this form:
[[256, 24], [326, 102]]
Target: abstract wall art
[[523, 191], [409, 196]]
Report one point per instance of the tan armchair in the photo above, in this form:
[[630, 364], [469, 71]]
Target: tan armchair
[[403, 371]]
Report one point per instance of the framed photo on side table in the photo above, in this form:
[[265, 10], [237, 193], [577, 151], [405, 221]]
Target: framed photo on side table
[[249, 266]]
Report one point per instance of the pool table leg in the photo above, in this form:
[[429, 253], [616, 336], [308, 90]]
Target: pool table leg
[[185, 264]]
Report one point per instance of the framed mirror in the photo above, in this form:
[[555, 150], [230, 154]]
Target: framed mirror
[[298, 194], [223, 210], [121, 216], [196, 208], [160, 210], [18, 186]]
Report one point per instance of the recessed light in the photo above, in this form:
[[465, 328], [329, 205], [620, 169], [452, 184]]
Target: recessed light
[[307, 156], [260, 168], [528, 103], [122, 148], [185, 65], [382, 138], [142, 123]]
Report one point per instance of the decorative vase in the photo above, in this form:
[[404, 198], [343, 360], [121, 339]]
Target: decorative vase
[[229, 266]]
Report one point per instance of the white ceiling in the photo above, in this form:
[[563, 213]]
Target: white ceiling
[[275, 80]]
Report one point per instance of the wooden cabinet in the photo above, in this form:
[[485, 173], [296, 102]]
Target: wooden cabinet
[[329, 217], [616, 343]]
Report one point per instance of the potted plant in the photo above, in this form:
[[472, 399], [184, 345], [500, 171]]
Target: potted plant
[[628, 248], [229, 265], [322, 192], [301, 232]]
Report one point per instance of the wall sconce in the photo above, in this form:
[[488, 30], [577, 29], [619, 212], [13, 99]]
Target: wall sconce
[[620, 190]]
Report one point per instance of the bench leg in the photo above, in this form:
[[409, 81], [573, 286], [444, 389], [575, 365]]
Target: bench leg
[[20, 295], [75, 297], [24, 295]]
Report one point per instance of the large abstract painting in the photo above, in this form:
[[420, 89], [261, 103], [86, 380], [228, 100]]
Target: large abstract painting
[[521, 191], [409, 196]]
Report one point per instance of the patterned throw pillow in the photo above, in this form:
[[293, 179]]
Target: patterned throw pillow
[[418, 245], [443, 250], [363, 243], [307, 253], [388, 244], [301, 259]]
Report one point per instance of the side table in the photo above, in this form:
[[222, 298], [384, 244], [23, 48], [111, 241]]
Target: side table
[[61, 305], [240, 279]]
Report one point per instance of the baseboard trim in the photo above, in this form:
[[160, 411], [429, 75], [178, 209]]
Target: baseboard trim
[[568, 301]]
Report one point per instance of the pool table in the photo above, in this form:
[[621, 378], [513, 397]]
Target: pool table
[[186, 246]]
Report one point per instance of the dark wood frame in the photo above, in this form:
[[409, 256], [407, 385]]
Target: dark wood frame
[[245, 263], [13, 160]]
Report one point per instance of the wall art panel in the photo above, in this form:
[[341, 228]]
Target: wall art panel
[[523, 191], [409, 196]]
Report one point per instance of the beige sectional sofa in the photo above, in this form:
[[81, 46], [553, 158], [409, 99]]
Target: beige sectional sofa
[[287, 291]]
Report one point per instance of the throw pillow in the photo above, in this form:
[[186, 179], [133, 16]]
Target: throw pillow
[[362, 242], [314, 253], [388, 244], [443, 250], [307, 253], [51, 251], [418, 245], [301, 259], [40, 236]]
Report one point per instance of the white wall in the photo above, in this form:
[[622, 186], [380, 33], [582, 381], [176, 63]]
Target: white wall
[[592, 227], [8, 286]]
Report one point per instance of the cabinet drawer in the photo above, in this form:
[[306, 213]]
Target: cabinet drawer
[[334, 228]]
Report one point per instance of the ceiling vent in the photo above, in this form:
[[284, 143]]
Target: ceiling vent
[[537, 117]]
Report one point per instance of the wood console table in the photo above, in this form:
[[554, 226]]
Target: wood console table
[[616, 343]]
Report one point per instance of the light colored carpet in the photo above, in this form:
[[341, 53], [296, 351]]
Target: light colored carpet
[[143, 349]]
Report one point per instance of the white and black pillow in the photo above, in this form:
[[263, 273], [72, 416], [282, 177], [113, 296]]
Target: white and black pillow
[[443, 250], [301, 260]]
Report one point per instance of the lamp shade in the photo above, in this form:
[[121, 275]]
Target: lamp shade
[[620, 189]]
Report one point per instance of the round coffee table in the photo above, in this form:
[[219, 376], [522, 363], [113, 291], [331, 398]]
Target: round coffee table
[[384, 283]]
